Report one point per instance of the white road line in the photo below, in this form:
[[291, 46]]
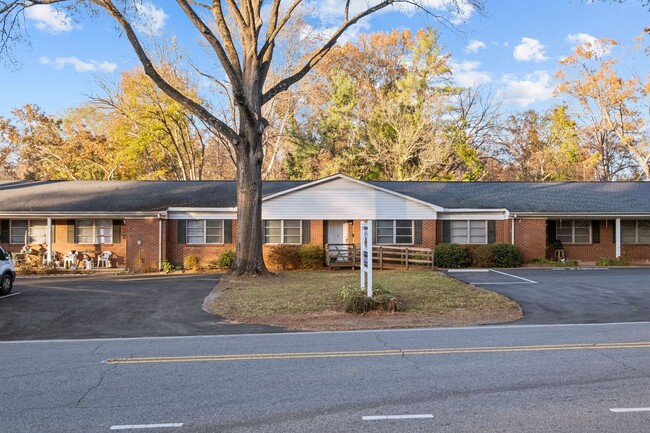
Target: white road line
[[510, 282], [514, 276], [382, 417], [11, 294], [630, 409], [143, 426], [453, 271]]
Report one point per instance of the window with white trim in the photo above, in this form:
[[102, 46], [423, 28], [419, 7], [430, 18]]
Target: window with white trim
[[28, 232], [204, 231], [635, 231], [469, 232], [394, 232], [573, 231], [282, 231], [94, 231]]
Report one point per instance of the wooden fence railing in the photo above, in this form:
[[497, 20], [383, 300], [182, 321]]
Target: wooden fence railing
[[402, 256], [346, 256]]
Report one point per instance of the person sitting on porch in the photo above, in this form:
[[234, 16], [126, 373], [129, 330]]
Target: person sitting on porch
[[559, 250]]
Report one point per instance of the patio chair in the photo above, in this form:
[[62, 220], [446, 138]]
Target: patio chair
[[559, 250], [104, 259], [87, 262], [70, 260]]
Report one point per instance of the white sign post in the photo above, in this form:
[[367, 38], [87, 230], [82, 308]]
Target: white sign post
[[366, 256]]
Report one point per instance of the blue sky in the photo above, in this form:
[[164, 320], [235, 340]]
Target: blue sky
[[513, 50]]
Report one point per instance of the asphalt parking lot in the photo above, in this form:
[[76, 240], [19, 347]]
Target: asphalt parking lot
[[81, 306], [571, 295]]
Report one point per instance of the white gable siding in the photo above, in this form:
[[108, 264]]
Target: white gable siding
[[343, 199]]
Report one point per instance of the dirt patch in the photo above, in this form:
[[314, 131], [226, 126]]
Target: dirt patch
[[308, 301]]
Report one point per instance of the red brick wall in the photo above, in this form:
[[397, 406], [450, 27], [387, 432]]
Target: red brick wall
[[142, 244], [207, 252], [429, 233], [530, 238], [636, 253]]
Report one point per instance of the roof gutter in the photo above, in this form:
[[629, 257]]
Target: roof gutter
[[101, 214], [606, 215]]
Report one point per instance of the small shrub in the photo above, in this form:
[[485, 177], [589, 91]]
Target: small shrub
[[480, 255], [356, 300], [505, 255], [451, 256], [620, 261], [312, 256], [167, 267], [286, 256], [539, 261], [225, 260], [544, 261], [192, 262]]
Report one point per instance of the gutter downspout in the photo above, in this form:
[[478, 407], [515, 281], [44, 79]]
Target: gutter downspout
[[618, 237], [160, 236], [48, 240]]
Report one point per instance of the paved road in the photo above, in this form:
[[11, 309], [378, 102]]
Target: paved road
[[486, 379], [549, 296], [116, 306]]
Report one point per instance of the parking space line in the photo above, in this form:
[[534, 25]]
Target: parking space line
[[145, 426], [509, 282], [630, 409], [514, 276], [11, 294], [383, 417], [463, 271]]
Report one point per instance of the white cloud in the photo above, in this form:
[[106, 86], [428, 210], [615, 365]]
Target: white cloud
[[79, 65], [466, 74], [151, 19], [474, 45], [48, 19], [323, 34], [331, 11], [529, 49], [590, 43], [535, 87]]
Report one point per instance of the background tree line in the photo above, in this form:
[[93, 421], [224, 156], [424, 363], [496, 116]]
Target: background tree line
[[382, 108]]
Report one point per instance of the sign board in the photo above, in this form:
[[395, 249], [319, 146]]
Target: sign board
[[366, 256]]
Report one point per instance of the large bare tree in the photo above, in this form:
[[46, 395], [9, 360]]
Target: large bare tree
[[242, 36]]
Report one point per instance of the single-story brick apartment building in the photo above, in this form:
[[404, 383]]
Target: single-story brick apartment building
[[145, 222]]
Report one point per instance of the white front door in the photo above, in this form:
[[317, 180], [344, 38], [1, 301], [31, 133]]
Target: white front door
[[337, 232]]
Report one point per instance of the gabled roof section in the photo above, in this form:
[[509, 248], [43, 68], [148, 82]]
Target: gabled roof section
[[356, 181]]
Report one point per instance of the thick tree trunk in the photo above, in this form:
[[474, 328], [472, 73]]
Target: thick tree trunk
[[250, 236]]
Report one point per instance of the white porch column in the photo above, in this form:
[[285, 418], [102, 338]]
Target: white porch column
[[160, 245], [513, 231], [48, 240], [618, 237]]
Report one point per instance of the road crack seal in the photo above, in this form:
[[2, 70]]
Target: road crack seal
[[404, 356], [97, 385], [622, 363]]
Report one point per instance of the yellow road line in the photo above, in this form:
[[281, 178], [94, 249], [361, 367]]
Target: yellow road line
[[367, 353]]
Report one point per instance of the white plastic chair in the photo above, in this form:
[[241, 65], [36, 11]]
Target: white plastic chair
[[70, 260], [87, 262], [104, 259]]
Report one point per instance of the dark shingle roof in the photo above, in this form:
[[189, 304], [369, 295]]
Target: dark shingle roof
[[543, 197], [121, 196], [152, 196]]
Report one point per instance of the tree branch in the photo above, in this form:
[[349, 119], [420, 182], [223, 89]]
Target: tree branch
[[318, 55], [152, 73]]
